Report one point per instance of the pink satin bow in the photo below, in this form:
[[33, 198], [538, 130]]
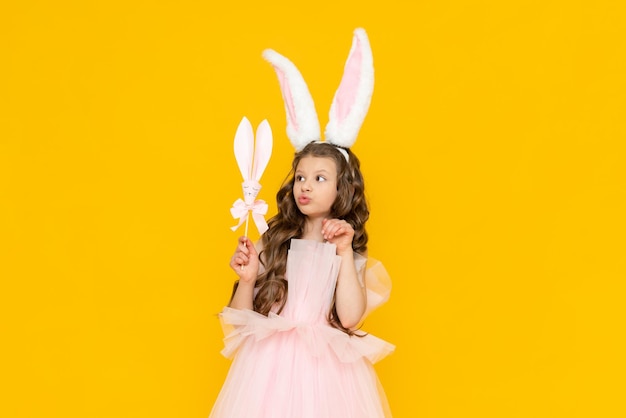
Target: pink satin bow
[[241, 210]]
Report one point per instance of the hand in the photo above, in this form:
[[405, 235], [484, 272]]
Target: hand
[[338, 232], [245, 261]]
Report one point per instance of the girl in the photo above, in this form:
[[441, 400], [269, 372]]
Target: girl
[[293, 316]]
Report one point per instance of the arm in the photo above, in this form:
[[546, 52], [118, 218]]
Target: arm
[[245, 263], [350, 294]]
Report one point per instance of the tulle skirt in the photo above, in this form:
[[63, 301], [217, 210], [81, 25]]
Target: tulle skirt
[[299, 371]]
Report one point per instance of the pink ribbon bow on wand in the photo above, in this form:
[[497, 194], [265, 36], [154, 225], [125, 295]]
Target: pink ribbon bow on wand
[[252, 161]]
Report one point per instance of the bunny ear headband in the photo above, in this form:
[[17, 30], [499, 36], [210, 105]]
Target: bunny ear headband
[[349, 106]]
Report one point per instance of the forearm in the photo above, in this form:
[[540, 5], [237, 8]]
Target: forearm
[[350, 294], [243, 297]]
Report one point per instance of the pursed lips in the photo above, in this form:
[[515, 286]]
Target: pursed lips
[[303, 200]]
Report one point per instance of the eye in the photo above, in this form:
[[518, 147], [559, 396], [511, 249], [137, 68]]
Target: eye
[[299, 178], [321, 178]]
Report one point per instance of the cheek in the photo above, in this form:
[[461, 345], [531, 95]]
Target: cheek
[[334, 194]]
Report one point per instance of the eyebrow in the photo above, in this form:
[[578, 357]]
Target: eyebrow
[[315, 172]]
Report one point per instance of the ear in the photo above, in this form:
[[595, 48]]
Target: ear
[[352, 98], [244, 146], [302, 123], [262, 149]]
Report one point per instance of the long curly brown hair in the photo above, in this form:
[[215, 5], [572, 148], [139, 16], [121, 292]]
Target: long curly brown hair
[[350, 205]]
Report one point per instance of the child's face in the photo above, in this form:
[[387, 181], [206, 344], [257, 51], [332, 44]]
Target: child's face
[[315, 186]]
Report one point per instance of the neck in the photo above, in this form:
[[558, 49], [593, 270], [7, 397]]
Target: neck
[[313, 229]]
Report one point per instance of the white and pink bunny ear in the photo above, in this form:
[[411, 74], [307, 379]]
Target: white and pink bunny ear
[[244, 147], [352, 98], [302, 123], [252, 161], [262, 149]]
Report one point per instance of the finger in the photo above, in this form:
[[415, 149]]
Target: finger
[[243, 259], [327, 228], [240, 257], [235, 265], [243, 248], [347, 228], [338, 230], [335, 229], [326, 232], [252, 250]]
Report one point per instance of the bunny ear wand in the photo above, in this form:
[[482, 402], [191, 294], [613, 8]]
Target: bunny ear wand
[[252, 160]]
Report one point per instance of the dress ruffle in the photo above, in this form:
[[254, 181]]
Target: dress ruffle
[[240, 325]]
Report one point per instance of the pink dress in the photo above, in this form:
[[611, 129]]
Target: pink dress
[[295, 365]]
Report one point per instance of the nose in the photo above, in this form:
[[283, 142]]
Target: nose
[[306, 187]]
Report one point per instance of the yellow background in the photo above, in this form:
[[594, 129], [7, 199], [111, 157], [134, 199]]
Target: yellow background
[[494, 158]]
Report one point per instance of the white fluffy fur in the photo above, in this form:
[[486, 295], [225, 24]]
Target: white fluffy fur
[[308, 126], [344, 133]]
